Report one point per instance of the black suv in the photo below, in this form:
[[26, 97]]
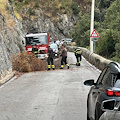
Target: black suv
[[106, 87]]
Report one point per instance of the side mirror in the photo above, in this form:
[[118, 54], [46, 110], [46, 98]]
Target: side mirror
[[108, 105], [89, 82]]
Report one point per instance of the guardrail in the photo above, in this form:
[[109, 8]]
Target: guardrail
[[95, 59]]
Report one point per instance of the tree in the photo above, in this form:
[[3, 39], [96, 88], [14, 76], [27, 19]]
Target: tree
[[112, 17], [106, 44], [81, 32]]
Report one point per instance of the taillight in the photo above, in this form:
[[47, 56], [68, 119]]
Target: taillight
[[117, 93], [109, 92], [112, 93]]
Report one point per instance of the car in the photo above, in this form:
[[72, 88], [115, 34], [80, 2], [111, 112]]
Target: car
[[111, 110], [106, 87], [67, 40], [55, 49]]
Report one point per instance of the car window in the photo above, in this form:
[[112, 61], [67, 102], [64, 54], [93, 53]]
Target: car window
[[99, 81], [107, 78], [117, 83], [53, 46]]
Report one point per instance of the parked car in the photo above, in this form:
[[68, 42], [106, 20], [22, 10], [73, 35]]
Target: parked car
[[107, 87], [67, 40], [55, 49], [111, 110]]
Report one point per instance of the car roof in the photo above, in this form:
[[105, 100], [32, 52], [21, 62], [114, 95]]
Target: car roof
[[115, 67]]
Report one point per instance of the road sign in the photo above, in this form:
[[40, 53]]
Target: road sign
[[94, 34], [94, 39]]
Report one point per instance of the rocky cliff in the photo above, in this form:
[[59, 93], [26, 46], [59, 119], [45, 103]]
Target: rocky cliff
[[11, 37]]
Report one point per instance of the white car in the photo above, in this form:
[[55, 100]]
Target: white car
[[55, 49]]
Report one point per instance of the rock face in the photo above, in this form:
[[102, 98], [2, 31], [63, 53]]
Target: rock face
[[9, 45], [11, 38], [57, 30]]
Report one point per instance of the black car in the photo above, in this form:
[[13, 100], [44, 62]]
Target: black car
[[107, 87]]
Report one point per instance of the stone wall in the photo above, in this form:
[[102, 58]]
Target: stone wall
[[96, 60]]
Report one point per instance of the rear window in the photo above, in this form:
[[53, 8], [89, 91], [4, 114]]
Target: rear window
[[117, 81]]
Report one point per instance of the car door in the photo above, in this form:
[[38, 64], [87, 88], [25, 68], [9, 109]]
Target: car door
[[94, 92]]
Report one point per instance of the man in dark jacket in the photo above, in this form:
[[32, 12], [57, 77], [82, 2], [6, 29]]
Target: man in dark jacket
[[50, 58], [78, 54], [35, 50], [63, 53]]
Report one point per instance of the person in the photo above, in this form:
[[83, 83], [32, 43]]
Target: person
[[78, 54], [63, 53], [58, 42], [35, 50], [50, 58]]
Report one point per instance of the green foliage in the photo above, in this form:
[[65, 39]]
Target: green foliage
[[104, 3], [37, 5], [106, 44], [81, 31], [117, 48], [75, 8], [31, 12], [112, 18], [10, 1], [20, 0], [99, 15], [26, 2]]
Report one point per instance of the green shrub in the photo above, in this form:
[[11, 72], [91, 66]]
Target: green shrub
[[10, 1], [20, 0], [75, 8], [26, 2], [37, 5], [31, 12]]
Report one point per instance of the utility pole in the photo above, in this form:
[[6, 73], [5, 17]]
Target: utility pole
[[92, 25]]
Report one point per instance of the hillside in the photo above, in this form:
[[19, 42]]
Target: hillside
[[50, 8]]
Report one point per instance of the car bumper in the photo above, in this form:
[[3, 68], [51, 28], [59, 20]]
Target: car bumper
[[42, 56]]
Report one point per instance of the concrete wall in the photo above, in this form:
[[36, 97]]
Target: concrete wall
[[96, 60]]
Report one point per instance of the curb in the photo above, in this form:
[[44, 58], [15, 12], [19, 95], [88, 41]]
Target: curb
[[6, 78]]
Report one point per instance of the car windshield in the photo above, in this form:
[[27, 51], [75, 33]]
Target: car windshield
[[36, 40], [53, 46]]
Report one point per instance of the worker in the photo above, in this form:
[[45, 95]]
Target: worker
[[78, 54], [35, 50], [50, 58], [63, 53]]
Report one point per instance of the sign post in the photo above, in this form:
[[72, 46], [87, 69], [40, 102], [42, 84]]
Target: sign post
[[94, 37], [92, 25]]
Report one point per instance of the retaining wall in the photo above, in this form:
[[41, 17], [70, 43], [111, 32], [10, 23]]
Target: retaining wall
[[96, 60]]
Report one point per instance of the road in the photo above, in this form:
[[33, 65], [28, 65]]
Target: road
[[48, 95]]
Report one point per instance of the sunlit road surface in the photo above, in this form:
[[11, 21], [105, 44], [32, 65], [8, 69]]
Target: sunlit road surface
[[48, 95]]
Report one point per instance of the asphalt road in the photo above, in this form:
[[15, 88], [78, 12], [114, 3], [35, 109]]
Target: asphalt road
[[48, 95]]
